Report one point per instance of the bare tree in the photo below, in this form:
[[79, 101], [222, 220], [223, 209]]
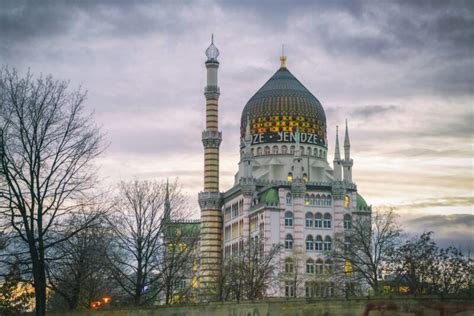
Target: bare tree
[[367, 247], [179, 264], [249, 273], [46, 148], [77, 271], [293, 272], [426, 269], [140, 220]]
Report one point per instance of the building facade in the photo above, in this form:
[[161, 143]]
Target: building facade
[[285, 190]]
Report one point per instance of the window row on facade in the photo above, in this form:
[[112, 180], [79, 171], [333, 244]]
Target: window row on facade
[[318, 220], [311, 199], [284, 150], [234, 210], [318, 266], [312, 243]]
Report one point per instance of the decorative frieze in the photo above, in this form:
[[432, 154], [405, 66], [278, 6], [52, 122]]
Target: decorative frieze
[[298, 188], [210, 200], [212, 92], [211, 139]]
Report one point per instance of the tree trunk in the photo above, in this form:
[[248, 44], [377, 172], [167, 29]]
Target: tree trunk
[[40, 288]]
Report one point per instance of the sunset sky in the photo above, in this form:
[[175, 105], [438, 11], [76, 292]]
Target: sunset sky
[[401, 72]]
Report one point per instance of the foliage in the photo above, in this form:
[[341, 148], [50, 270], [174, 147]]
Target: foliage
[[424, 268], [15, 294], [367, 247]]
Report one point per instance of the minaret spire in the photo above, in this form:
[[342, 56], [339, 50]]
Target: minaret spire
[[210, 199]]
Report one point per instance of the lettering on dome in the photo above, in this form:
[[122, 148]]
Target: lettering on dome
[[286, 137], [282, 129]]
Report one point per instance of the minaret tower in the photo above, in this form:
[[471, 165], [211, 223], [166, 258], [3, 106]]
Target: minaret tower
[[337, 159], [210, 198], [347, 163]]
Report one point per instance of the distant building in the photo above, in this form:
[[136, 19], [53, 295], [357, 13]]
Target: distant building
[[285, 191]]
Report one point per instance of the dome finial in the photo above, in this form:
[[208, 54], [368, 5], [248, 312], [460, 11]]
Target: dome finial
[[212, 52], [282, 57]]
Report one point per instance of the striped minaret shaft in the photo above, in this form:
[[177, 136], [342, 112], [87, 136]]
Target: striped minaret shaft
[[210, 199]]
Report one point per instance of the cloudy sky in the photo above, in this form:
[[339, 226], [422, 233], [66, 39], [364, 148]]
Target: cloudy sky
[[401, 72]]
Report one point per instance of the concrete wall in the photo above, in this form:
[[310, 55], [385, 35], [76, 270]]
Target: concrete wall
[[300, 307]]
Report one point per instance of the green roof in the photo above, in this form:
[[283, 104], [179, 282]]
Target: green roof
[[271, 197], [361, 203], [188, 227]]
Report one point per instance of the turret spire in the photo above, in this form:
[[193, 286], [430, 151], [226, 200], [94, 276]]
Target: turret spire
[[167, 211], [347, 163], [337, 159], [337, 153], [346, 137]]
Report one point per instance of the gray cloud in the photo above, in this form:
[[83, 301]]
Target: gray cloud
[[449, 230], [399, 71]]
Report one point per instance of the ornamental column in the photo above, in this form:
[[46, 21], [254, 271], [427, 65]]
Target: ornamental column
[[210, 199]]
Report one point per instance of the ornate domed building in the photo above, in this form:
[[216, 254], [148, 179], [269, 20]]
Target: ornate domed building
[[285, 191]]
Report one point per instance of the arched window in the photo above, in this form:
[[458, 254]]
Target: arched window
[[289, 265], [323, 200], [318, 220], [288, 219], [319, 266], [259, 151], [252, 151], [309, 219], [328, 266], [289, 241], [309, 243], [275, 150], [306, 199], [292, 149], [310, 266], [318, 200], [327, 220], [327, 246], [267, 150], [347, 244], [320, 153], [313, 199], [308, 151], [347, 222], [302, 150], [288, 199], [290, 177], [318, 244], [284, 149], [328, 200]]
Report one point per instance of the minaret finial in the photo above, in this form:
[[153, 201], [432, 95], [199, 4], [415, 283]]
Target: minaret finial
[[212, 52], [282, 57]]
